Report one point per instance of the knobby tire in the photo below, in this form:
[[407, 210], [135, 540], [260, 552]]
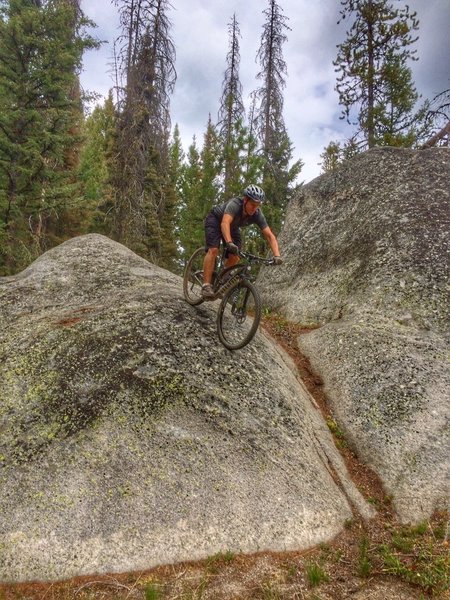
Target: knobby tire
[[223, 315], [191, 287]]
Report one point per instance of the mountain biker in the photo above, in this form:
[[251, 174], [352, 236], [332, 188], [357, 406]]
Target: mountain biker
[[223, 223]]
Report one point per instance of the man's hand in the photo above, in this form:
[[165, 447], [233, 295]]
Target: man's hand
[[277, 260], [232, 248]]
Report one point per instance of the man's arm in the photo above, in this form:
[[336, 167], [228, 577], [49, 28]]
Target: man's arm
[[225, 227], [271, 240]]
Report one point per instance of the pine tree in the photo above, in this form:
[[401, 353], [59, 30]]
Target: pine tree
[[99, 134], [176, 170], [200, 182], [210, 163], [247, 162], [231, 113], [254, 159], [374, 80], [40, 53], [145, 202], [278, 175], [191, 182], [331, 157], [176, 160], [159, 235]]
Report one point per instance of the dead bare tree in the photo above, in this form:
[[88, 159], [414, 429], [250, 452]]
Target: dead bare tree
[[269, 121], [439, 117], [441, 138], [231, 112], [146, 65], [269, 125]]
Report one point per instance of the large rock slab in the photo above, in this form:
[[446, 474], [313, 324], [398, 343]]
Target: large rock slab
[[367, 259], [129, 437]]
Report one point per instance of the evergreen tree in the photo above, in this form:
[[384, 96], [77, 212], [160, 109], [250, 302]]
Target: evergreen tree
[[176, 160], [210, 163], [278, 175], [145, 201], [335, 154], [176, 170], [189, 211], [254, 159], [40, 54], [247, 162], [200, 184], [99, 133], [231, 113], [279, 181], [159, 235], [331, 157], [374, 79]]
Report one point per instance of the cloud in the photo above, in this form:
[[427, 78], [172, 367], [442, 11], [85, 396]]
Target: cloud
[[432, 70], [311, 110]]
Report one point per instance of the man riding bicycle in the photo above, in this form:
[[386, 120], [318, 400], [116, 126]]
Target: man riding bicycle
[[223, 223]]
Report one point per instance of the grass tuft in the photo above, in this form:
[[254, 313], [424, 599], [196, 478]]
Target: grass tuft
[[337, 432], [270, 592], [419, 556], [364, 562], [152, 592], [316, 574]]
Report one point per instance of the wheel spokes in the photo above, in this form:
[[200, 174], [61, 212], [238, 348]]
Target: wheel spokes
[[236, 321], [193, 278]]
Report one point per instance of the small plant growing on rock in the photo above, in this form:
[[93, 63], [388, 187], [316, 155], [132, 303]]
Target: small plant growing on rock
[[337, 432]]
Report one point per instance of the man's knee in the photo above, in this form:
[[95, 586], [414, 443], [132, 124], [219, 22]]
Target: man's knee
[[213, 252]]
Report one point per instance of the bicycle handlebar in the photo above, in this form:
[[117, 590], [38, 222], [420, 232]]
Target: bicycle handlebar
[[253, 258]]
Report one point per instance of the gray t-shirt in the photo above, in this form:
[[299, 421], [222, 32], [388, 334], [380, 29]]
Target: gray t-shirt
[[234, 207]]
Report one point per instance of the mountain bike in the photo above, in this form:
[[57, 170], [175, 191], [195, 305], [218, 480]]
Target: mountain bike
[[240, 310]]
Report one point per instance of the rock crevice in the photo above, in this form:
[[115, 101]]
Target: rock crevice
[[367, 257]]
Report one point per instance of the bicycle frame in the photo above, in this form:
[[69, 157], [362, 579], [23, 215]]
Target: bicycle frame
[[223, 281], [240, 308]]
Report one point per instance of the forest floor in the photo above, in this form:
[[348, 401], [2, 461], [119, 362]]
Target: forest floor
[[375, 560]]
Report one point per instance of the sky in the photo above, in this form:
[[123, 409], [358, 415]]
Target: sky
[[311, 109]]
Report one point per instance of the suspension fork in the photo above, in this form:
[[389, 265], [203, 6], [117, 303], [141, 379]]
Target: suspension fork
[[243, 306]]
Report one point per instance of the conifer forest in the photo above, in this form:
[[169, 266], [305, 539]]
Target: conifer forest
[[120, 168]]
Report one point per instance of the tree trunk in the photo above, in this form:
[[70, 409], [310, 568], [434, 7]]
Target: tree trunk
[[440, 135], [370, 78]]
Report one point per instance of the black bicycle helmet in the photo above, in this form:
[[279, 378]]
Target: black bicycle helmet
[[255, 193]]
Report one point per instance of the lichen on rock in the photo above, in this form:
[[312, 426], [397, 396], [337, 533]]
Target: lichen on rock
[[130, 437]]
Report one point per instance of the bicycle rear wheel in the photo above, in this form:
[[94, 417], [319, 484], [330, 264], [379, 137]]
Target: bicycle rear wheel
[[239, 315], [193, 278]]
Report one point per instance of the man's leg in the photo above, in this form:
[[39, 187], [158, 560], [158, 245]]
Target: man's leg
[[208, 267], [209, 264], [213, 236], [232, 260]]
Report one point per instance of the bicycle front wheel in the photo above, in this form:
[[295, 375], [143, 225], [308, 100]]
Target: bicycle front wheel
[[193, 278], [239, 315]]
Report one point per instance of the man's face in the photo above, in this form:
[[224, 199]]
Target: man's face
[[250, 206]]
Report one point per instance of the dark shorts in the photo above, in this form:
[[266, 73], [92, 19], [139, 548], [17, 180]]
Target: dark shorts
[[213, 233]]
